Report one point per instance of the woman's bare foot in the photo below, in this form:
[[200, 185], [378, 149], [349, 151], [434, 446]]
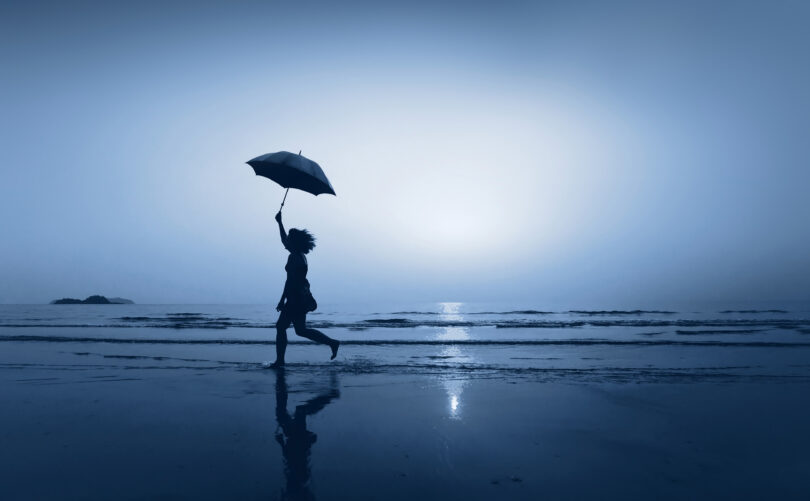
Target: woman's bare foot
[[335, 347], [277, 364]]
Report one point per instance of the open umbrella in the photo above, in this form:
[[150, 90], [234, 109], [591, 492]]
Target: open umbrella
[[292, 171]]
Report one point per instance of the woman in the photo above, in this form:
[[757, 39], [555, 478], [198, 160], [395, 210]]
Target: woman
[[296, 293]]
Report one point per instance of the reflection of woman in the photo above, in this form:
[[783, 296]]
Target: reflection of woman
[[296, 441], [296, 293]]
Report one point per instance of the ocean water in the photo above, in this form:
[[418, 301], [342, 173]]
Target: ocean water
[[455, 340], [436, 400]]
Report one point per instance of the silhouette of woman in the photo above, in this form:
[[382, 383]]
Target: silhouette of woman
[[296, 293]]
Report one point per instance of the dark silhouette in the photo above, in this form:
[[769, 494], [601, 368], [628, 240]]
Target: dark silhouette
[[292, 171], [70, 300], [295, 440], [93, 300], [296, 300]]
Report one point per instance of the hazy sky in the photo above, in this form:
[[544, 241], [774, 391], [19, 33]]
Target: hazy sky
[[594, 154]]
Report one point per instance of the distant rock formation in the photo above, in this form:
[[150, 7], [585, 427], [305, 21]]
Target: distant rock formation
[[67, 300], [93, 300], [120, 300]]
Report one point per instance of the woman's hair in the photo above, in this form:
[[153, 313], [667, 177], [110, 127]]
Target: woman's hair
[[300, 241]]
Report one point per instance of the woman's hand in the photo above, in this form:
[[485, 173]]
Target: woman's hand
[[280, 305], [281, 229]]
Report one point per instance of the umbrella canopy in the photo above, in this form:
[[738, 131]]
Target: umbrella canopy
[[292, 171]]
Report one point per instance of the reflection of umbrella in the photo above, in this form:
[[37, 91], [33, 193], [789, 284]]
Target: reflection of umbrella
[[292, 171]]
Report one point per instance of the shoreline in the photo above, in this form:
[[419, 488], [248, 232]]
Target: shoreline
[[101, 425]]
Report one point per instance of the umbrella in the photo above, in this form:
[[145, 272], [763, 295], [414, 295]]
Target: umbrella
[[292, 171]]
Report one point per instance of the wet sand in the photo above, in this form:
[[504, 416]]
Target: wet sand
[[79, 426]]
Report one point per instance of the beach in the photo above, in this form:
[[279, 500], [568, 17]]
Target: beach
[[442, 406]]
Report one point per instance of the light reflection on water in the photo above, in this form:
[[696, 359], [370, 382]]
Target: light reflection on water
[[450, 311], [454, 389], [453, 334], [455, 354]]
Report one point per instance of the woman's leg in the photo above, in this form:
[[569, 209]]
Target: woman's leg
[[301, 329], [281, 337]]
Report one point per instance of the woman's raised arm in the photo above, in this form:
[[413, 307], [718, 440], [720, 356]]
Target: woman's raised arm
[[281, 229]]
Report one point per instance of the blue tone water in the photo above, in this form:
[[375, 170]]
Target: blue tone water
[[442, 401], [449, 338]]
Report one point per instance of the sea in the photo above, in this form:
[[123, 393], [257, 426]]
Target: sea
[[450, 339]]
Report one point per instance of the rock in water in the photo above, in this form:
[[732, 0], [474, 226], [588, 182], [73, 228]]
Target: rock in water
[[120, 300], [95, 299], [67, 300]]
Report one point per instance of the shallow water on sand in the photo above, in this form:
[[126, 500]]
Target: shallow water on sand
[[447, 401]]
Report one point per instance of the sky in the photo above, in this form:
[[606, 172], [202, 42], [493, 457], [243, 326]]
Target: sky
[[583, 154]]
